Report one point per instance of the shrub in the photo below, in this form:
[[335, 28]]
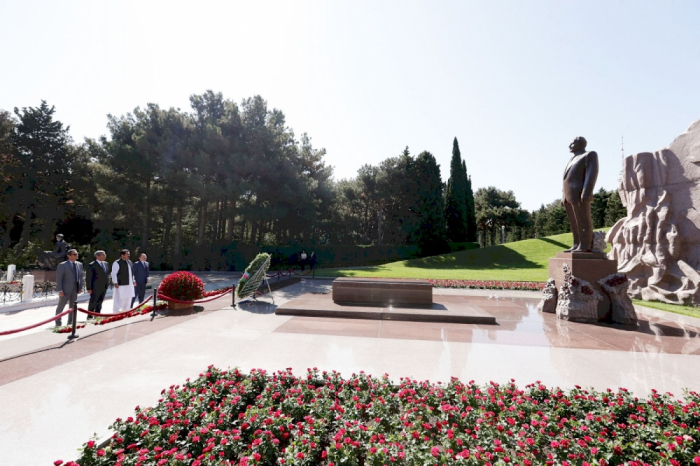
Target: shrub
[[184, 286]]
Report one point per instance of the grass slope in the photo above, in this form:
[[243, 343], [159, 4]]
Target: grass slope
[[675, 308], [518, 261]]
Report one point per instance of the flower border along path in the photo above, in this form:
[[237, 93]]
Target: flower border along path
[[231, 418], [488, 284]]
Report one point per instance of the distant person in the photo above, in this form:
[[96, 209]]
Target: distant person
[[69, 283], [97, 281], [123, 279], [141, 269], [302, 259], [48, 259], [312, 260]]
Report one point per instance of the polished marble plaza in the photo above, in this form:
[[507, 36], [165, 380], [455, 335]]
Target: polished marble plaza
[[63, 393]]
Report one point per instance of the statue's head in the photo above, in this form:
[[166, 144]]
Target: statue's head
[[579, 143]]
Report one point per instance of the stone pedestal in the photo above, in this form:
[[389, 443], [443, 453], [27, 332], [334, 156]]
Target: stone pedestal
[[41, 276], [589, 266], [11, 269], [27, 288]]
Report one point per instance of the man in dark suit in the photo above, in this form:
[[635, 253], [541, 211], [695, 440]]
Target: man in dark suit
[[141, 269], [69, 283], [97, 281], [579, 180]]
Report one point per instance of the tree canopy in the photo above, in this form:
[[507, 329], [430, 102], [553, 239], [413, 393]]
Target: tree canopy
[[187, 186]]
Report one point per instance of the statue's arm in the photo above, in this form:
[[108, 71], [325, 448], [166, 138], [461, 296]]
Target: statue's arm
[[591, 176]]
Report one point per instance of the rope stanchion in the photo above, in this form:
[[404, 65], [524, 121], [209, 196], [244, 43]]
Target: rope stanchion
[[97, 314], [300, 274], [73, 335], [155, 302], [56, 317], [204, 300]]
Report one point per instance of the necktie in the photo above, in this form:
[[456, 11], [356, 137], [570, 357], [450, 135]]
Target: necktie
[[104, 267], [75, 271]]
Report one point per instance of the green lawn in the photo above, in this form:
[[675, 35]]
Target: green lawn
[[519, 261], [675, 308]]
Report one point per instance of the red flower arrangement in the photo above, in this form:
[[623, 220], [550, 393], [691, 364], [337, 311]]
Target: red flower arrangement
[[183, 286], [232, 418]]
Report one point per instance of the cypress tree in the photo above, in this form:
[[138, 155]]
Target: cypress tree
[[455, 199], [429, 232], [469, 202]]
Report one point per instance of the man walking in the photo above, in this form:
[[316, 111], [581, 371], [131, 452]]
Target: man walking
[[97, 281], [123, 279], [69, 283], [141, 268]]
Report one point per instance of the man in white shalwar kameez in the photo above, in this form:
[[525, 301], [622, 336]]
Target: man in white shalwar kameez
[[123, 279]]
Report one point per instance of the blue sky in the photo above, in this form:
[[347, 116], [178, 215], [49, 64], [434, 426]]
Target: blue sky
[[514, 81]]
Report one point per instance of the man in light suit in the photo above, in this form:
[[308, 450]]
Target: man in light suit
[[579, 180], [97, 281], [141, 269], [69, 283]]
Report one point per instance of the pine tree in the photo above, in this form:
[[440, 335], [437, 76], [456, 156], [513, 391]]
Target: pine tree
[[41, 178], [455, 199], [469, 202]]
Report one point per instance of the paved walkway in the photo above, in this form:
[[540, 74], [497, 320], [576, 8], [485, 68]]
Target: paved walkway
[[69, 392]]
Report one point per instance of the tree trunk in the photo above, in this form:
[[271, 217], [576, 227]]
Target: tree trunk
[[379, 227], [167, 227], [222, 219], [202, 223], [216, 220], [146, 218], [253, 232], [177, 253], [231, 221], [26, 228], [6, 239]]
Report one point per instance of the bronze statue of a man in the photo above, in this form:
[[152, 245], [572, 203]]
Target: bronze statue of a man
[[579, 180]]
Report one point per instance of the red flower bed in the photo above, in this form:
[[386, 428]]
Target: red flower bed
[[183, 286], [231, 418], [208, 294], [489, 284], [67, 328], [136, 312]]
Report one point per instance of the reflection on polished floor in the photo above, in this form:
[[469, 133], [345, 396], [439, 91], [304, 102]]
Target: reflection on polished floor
[[519, 323]]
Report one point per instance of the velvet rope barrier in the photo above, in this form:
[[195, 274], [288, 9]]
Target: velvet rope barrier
[[56, 317], [204, 300], [97, 314], [301, 274]]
